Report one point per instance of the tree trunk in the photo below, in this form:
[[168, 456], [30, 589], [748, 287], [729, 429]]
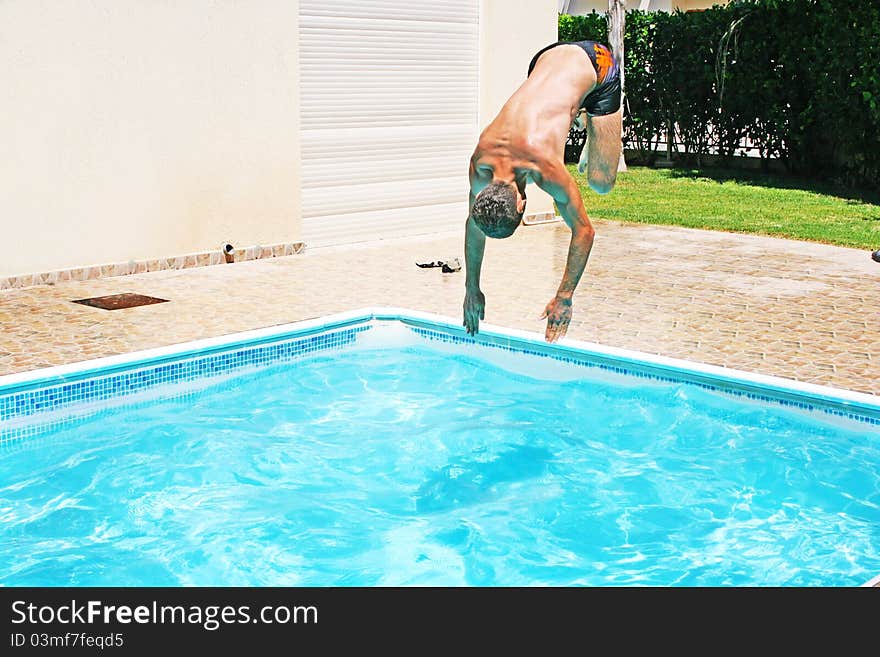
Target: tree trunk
[[616, 24]]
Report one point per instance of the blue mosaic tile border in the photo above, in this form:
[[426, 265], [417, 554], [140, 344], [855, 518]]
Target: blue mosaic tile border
[[46, 399], [589, 361], [34, 411]]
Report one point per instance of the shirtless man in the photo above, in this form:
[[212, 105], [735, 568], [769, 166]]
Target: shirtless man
[[567, 82]]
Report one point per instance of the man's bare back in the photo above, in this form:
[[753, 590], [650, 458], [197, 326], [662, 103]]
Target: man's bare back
[[526, 143], [533, 124]]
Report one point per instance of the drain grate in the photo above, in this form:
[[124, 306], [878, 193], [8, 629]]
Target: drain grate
[[117, 301]]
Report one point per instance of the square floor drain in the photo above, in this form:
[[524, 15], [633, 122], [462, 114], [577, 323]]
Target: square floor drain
[[117, 301]]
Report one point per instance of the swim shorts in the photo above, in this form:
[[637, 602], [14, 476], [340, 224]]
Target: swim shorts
[[605, 96]]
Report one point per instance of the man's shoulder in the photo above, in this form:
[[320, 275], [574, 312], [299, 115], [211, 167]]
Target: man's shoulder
[[539, 157], [551, 175]]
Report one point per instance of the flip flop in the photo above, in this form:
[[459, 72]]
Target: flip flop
[[446, 267], [451, 266]]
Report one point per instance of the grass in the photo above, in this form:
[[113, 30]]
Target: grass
[[740, 201]]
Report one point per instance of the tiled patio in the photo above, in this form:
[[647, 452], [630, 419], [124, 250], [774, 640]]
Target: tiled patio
[[793, 309]]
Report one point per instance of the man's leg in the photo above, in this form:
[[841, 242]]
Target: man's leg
[[604, 143], [580, 123]]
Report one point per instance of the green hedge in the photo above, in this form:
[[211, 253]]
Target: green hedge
[[800, 78]]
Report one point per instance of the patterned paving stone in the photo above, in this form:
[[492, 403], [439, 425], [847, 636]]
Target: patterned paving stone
[[793, 309]]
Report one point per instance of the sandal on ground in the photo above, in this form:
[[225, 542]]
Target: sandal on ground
[[451, 266]]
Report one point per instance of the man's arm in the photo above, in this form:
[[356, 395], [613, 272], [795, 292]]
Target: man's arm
[[562, 187], [474, 248], [474, 300]]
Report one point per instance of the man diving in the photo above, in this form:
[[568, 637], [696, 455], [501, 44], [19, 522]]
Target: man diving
[[567, 82]]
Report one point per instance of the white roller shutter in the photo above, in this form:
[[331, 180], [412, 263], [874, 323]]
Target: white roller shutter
[[389, 92]]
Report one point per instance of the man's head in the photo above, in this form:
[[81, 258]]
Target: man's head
[[498, 209]]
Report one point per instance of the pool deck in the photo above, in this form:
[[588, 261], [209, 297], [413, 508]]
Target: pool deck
[[793, 309]]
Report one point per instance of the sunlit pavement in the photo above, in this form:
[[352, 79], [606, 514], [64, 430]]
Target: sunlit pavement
[[794, 309]]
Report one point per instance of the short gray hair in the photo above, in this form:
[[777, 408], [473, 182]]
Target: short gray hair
[[494, 210]]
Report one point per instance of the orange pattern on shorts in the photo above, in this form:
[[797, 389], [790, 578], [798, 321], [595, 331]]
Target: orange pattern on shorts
[[604, 61]]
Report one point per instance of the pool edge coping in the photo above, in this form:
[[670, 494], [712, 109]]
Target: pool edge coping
[[656, 361], [154, 355], [873, 582], [106, 364]]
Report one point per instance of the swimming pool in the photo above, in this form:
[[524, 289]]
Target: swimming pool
[[386, 447]]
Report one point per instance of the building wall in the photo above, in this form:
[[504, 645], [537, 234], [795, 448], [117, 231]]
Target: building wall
[[136, 129], [686, 5], [511, 32]]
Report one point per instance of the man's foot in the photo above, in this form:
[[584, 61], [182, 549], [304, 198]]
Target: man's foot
[[876, 255]]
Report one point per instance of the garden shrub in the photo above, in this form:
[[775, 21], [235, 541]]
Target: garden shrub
[[799, 78]]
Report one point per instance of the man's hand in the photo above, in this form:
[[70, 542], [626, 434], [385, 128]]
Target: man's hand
[[558, 315], [474, 310]]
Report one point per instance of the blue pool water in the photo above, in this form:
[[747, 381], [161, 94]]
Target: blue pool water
[[421, 466]]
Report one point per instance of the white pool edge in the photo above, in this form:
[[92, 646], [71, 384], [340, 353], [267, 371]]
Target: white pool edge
[[380, 313], [656, 360], [874, 581], [177, 349]]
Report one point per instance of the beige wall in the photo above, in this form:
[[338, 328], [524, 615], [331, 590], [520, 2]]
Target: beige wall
[[133, 129], [511, 32], [140, 129]]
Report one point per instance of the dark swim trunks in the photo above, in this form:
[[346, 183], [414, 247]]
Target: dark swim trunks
[[605, 97]]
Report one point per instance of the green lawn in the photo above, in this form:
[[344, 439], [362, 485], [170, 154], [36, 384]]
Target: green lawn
[[739, 201]]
